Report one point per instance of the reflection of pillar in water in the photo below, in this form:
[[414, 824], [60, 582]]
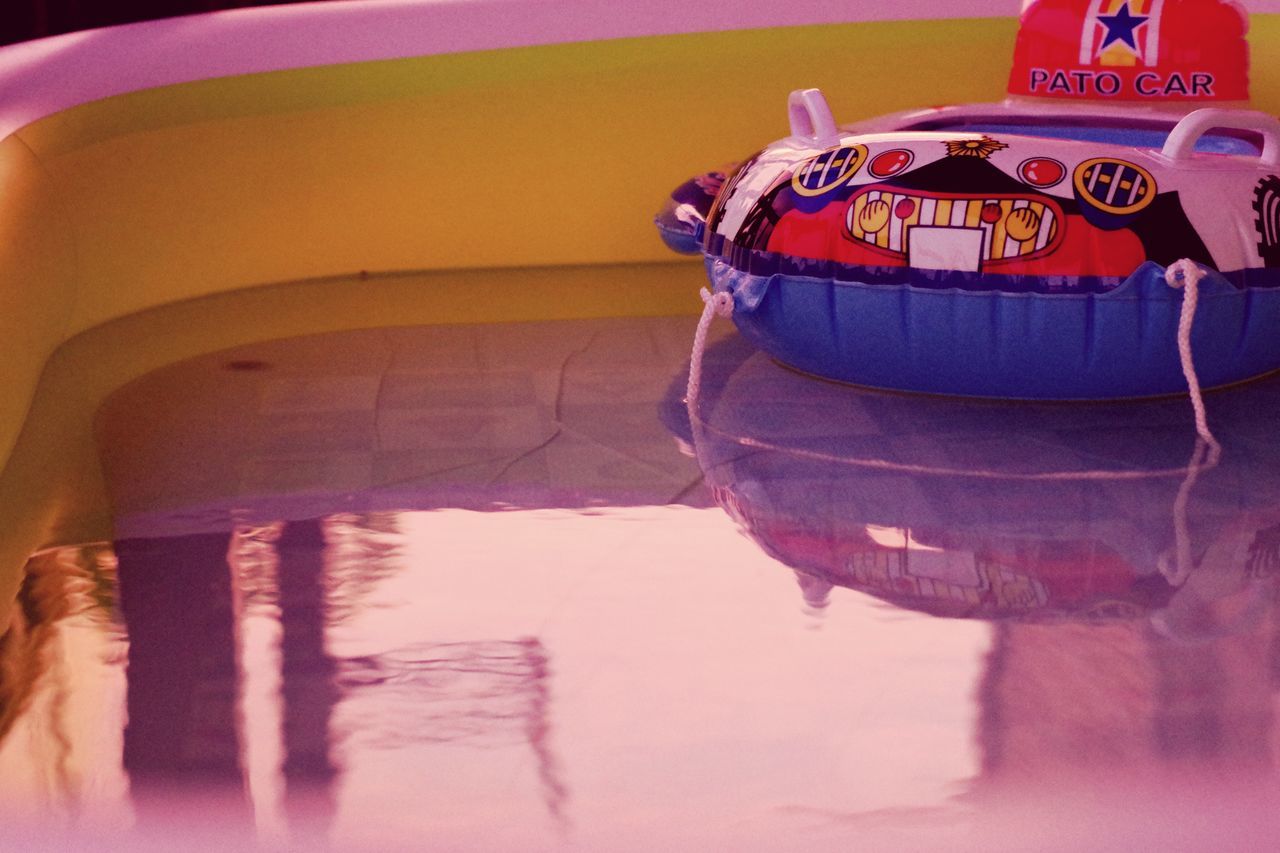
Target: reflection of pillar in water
[[486, 694], [1061, 699], [1216, 694], [1071, 699], [555, 793], [307, 672], [58, 660], [181, 739]]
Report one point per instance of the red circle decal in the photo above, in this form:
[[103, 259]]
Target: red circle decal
[[904, 208], [991, 212], [890, 163], [1041, 171]]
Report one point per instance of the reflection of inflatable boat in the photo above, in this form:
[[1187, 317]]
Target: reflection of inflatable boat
[[1015, 249], [975, 509]]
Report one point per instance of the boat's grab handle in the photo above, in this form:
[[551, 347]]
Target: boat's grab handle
[[811, 117], [1182, 140]]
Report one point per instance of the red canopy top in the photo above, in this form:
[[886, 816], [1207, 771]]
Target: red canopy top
[[1132, 50]]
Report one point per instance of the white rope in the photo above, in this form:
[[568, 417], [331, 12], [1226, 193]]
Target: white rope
[[1205, 457], [940, 471], [713, 305], [1186, 275]]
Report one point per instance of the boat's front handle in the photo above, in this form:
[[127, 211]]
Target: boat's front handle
[[811, 118], [1182, 140]]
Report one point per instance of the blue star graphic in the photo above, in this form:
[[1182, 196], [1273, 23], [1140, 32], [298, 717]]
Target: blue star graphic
[[1120, 27]]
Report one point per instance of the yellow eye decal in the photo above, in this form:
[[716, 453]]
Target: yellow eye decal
[[828, 170], [1114, 186]]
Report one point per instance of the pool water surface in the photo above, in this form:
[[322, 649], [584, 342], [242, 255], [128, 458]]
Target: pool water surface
[[487, 588]]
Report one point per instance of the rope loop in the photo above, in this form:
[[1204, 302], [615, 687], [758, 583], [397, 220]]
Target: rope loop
[[1183, 272], [721, 303]]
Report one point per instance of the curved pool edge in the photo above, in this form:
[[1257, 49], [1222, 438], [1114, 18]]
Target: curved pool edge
[[45, 76]]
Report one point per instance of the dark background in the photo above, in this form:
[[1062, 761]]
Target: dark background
[[28, 19]]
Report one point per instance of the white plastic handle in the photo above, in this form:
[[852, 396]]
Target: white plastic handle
[[811, 118], [1182, 140]]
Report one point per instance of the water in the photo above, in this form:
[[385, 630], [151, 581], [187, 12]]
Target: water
[[485, 588]]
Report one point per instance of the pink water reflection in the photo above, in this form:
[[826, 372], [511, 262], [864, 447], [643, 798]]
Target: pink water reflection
[[565, 645], [680, 695], [666, 695]]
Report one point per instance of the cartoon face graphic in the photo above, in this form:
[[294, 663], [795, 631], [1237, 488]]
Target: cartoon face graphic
[[954, 231], [961, 212]]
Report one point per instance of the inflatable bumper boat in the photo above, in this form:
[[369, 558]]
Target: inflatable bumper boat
[[1018, 249]]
